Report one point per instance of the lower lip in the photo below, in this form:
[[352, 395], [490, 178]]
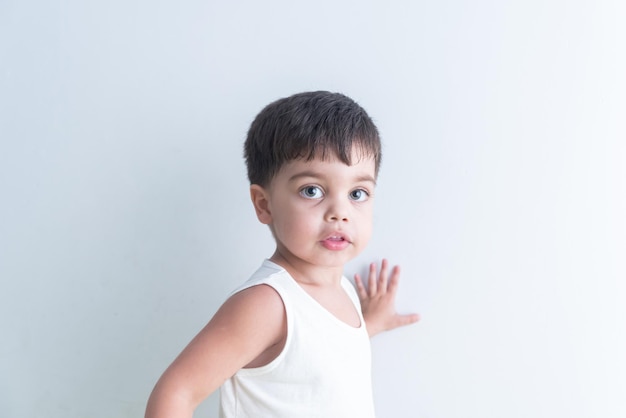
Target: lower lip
[[335, 244]]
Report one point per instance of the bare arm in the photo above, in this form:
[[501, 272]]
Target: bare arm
[[378, 300], [247, 325]]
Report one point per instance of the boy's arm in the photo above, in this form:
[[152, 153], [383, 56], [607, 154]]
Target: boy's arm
[[249, 323], [378, 300]]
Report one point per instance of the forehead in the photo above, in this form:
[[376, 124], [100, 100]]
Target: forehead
[[330, 168]]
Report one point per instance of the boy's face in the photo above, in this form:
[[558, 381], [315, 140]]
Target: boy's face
[[320, 211]]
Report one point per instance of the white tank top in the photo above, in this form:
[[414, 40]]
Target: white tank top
[[324, 369]]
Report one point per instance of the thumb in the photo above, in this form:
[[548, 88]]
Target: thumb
[[408, 319]]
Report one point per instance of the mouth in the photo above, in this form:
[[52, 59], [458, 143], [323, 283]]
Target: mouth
[[335, 238], [338, 236], [336, 242]]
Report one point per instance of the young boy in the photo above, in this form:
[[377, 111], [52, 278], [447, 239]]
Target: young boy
[[293, 340]]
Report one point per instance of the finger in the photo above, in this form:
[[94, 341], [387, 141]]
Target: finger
[[408, 319], [394, 280], [382, 279], [360, 288], [371, 280]]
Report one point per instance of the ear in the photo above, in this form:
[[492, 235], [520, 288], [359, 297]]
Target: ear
[[260, 201]]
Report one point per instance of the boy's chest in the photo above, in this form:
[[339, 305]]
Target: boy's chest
[[337, 303]]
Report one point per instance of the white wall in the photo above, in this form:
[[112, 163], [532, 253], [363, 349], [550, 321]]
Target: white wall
[[125, 222]]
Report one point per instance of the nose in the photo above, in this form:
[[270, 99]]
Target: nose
[[338, 210]]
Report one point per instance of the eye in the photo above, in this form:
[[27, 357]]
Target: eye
[[359, 195], [311, 192]]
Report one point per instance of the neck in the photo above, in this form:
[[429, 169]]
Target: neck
[[308, 274]]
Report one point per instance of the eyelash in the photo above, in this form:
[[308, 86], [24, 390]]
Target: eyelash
[[367, 194], [303, 193]]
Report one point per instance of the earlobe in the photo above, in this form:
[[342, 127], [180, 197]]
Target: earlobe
[[259, 197]]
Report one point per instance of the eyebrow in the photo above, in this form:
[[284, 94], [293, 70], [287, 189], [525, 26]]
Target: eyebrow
[[364, 177]]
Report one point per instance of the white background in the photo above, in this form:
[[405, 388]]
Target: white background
[[125, 221]]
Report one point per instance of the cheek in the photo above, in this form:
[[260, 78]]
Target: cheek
[[367, 232], [295, 225], [367, 223]]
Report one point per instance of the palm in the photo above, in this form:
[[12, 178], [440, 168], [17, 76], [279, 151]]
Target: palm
[[378, 300]]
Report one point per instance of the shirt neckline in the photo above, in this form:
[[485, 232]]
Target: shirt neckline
[[344, 283]]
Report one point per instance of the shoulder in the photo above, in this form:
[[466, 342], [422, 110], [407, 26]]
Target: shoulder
[[260, 296], [245, 326], [255, 310], [268, 288]]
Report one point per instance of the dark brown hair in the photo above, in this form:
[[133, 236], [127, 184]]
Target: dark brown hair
[[308, 125]]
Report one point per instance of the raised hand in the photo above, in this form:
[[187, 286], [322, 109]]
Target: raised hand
[[378, 300]]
